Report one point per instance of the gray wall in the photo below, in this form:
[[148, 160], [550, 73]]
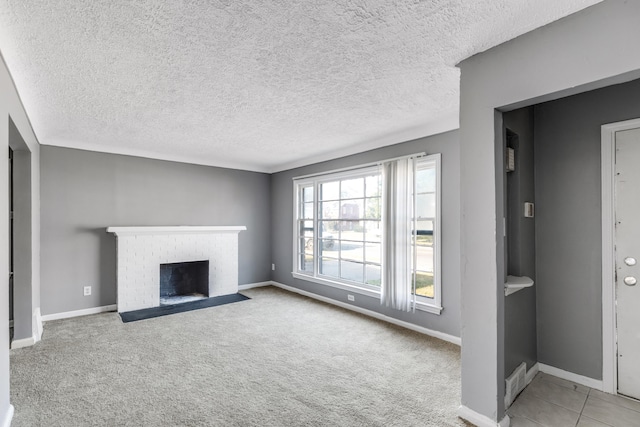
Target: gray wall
[[587, 50], [11, 110], [282, 222], [568, 222], [84, 192], [22, 236], [520, 308]]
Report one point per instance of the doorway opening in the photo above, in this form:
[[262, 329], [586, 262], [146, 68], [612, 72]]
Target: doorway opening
[[576, 330], [25, 331], [10, 245]]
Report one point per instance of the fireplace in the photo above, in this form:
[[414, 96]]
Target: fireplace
[[140, 251], [183, 282]]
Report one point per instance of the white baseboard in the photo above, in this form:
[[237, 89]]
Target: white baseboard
[[570, 376], [481, 420], [21, 343], [531, 373], [36, 324], [76, 313], [36, 331], [441, 335], [254, 285], [6, 422]]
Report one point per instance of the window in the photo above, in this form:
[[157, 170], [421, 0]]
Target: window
[[338, 231], [338, 227], [425, 221]]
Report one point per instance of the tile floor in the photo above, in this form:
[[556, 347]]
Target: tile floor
[[553, 402]]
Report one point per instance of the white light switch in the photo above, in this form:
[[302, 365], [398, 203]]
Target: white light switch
[[511, 160], [528, 210]]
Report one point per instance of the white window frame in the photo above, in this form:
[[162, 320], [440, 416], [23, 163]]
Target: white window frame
[[434, 305], [430, 305]]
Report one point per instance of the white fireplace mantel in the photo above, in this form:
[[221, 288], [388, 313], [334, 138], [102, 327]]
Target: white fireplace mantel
[[181, 229], [141, 251]]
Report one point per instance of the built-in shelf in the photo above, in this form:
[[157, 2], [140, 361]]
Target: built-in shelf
[[516, 283]]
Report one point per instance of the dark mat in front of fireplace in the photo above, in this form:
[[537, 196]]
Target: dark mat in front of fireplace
[[164, 310]]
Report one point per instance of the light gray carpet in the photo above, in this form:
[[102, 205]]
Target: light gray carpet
[[276, 360]]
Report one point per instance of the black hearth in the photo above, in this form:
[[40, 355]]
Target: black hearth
[[183, 282]]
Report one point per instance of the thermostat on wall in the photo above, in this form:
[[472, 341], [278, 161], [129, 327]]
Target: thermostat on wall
[[528, 210]]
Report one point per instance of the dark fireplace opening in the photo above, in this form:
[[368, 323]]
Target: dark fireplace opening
[[183, 282]]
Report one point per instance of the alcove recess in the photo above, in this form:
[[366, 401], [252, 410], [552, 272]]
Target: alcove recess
[[520, 224]]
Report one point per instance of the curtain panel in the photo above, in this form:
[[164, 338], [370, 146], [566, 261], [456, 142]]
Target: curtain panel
[[397, 213]]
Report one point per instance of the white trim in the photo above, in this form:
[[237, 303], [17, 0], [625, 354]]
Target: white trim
[[531, 373], [420, 305], [436, 334], [481, 420], [294, 235], [429, 308], [253, 285], [8, 417], [37, 324], [77, 313], [126, 231], [437, 235], [570, 376], [24, 342], [609, 347]]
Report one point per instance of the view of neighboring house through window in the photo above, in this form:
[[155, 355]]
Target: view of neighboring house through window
[[338, 235]]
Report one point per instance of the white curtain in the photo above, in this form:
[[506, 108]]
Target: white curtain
[[397, 210]]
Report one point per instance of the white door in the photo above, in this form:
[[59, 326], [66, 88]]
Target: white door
[[627, 244]]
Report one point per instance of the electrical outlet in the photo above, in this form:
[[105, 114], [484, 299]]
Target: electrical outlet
[[273, 267], [351, 298], [87, 291]]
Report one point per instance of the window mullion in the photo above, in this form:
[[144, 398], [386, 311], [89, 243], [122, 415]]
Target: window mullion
[[316, 219], [340, 229], [414, 247]]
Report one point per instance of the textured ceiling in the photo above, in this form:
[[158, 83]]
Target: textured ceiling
[[258, 85]]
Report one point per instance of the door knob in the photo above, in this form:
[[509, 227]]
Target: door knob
[[630, 281], [630, 261]]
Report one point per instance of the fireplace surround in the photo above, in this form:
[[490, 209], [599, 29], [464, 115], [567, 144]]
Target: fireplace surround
[[141, 251]]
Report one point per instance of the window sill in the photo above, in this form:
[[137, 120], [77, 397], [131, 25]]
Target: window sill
[[420, 305], [429, 308]]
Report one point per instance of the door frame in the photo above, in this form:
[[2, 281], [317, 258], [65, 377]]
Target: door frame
[[609, 330]]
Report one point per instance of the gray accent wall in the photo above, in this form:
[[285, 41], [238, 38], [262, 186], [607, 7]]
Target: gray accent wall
[[520, 308], [568, 223], [85, 192], [282, 223]]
